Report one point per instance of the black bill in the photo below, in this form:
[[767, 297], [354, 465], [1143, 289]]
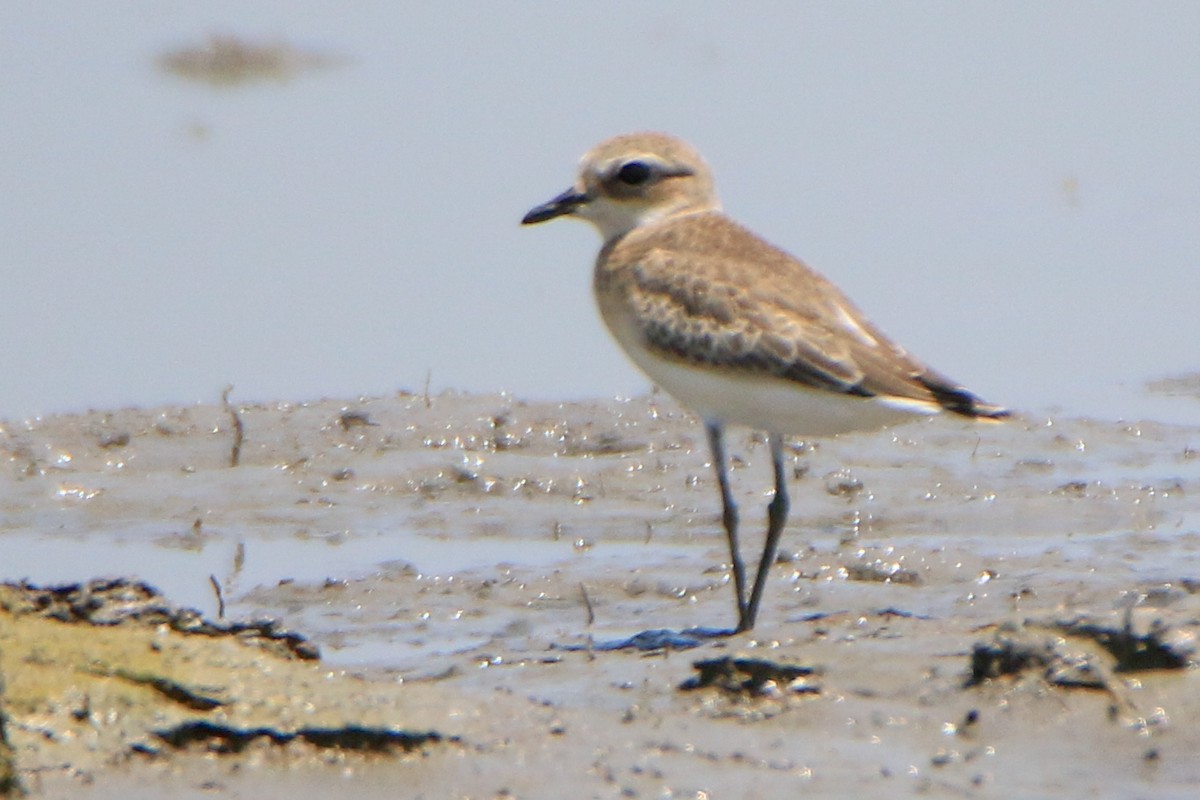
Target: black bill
[[565, 203]]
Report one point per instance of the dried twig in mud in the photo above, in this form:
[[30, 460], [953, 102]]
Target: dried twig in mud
[[216, 584], [239, 432], [587, 602], [428, 378]]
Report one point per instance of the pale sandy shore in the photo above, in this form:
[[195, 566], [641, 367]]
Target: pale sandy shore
[[989, 611]]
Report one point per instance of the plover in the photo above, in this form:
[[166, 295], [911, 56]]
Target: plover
[[733, 327]]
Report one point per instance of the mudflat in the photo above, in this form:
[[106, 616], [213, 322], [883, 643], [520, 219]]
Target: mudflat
[[441, 597]]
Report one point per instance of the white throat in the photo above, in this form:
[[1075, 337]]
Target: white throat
[[615, 219]]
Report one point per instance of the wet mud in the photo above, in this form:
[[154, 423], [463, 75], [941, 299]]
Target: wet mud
[[100, 675], [475, 596]]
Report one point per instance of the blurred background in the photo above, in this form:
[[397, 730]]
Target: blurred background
[[313, 200]]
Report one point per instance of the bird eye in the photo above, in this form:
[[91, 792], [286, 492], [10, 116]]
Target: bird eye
[[635, 173]]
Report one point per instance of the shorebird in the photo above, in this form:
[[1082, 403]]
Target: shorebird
[[734, 328]]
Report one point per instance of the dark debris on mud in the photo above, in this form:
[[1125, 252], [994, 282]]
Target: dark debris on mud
[[219, 738], [1011, 657], [1065, 653], [1161, 647], [751, 677], [112, 601]]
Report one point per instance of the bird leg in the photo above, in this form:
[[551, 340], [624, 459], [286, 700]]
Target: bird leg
[[777, 513], [729, 517]]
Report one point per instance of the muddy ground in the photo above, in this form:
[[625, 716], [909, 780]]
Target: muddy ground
[[959, 611]]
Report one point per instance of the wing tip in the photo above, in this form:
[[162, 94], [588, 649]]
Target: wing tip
[[989, 412], [959, 400]]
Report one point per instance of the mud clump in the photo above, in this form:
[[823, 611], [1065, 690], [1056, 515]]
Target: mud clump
[[1080, 653], [220, 738], [753, 677], [1159, 648], [115, 601]]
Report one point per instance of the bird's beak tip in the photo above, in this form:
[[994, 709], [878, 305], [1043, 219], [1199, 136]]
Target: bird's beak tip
[[564, 203]]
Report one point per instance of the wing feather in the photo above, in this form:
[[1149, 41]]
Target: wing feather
[[706, 291]]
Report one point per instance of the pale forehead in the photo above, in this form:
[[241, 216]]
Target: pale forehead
[[651, 146]]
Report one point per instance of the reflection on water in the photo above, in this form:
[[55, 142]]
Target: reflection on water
[[180, 569]]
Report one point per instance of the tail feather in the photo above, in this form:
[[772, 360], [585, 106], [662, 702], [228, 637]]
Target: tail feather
[[958, 400]]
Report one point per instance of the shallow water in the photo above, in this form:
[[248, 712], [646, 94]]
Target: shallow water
[[175, 233]]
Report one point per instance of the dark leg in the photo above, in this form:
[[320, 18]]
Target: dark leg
[[716, 443], [777, 513]]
